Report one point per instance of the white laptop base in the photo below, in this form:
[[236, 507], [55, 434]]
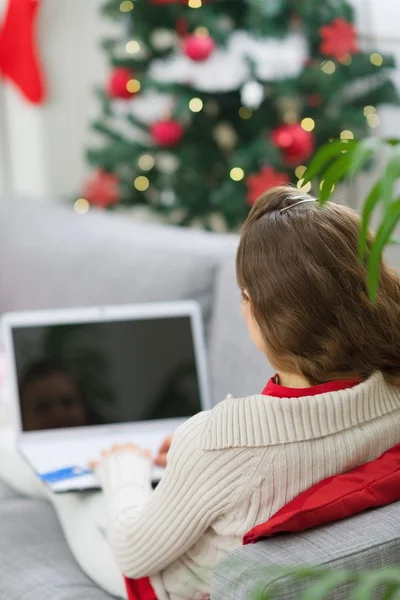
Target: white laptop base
[[77, 454]]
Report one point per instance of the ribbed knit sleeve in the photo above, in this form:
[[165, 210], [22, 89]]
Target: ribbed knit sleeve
[[148, 531]]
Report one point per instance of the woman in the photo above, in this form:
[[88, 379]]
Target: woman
[[333, 404]]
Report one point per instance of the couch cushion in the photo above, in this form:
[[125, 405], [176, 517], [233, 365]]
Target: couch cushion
[[370, 540], [53, 258], [36, 563], [237, 367]]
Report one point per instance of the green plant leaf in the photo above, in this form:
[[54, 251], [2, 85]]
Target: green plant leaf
[[392, 173], [328, 582], [335, 173], [392, 141], [369, 582], [394, 242], [361, 153], [392, 592], [369, 207], [389, 222], [325, 155]]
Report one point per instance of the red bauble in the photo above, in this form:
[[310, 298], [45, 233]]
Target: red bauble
[[198, 47], [118, 81], [296, 144], [102, 189], [258, 183], [338, 39], [167, 133], [314, 100]]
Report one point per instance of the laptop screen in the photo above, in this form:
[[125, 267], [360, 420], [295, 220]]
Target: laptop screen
[[108, 372]]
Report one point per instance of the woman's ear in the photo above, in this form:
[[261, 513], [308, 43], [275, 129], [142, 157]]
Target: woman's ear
[[245, 295], [252, 325]]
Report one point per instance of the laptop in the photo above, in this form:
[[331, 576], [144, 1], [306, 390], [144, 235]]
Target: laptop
[[84, 379]]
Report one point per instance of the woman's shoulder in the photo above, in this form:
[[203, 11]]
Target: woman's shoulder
[[218, 412], [224, 426]]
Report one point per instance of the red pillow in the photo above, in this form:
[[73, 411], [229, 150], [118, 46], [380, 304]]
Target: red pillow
[[376, 483]]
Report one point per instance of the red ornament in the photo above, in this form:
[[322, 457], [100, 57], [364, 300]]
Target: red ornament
[[258, 183], [102, 189], [314, 100], [19, 60], [167, 133], [338, 39], [181, 27], [118, 81], [296, 144], [295, 19], [198, 47]]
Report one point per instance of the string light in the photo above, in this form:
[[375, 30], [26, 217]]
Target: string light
[[328, 67], [308, 124], [81, 206], [196, 105], [237, 174], [376, 59], [141, 183], [146, 162], [133, 86], [195, 3], [373, 120], [303, 187], [347, 135], [245, 112], [132, 47], [225, 135], [299, 171], [126, 6], [201, 31], [369, 110], [346, 59], [211, 108]]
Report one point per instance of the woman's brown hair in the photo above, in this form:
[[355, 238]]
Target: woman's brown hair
[[307, 286]]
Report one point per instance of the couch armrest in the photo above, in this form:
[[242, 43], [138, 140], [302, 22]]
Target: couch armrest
[[368, 541]]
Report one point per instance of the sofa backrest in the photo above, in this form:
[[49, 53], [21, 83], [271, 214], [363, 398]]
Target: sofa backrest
[[237, 367], [52, 258]]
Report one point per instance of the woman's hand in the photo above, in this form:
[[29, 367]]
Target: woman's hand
[[161, 458], [119, 449]]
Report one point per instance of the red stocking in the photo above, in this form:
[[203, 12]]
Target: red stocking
[[18, 54]]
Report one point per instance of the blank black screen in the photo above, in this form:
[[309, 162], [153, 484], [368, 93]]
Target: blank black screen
[[110, 372]]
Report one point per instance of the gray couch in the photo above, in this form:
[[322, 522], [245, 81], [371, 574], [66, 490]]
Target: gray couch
[[50, 257]]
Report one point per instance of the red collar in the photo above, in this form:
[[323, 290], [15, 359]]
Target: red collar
[[279, 391]]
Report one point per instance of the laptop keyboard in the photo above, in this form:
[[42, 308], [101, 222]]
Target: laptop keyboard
[[64, 455]]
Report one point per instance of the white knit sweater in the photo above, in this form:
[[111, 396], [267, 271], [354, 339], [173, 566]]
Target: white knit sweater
[[230, 469]]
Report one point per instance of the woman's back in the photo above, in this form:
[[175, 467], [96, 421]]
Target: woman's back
[[233, 467]]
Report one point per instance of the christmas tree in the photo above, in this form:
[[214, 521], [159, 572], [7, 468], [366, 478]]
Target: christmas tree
[[210, 102]]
